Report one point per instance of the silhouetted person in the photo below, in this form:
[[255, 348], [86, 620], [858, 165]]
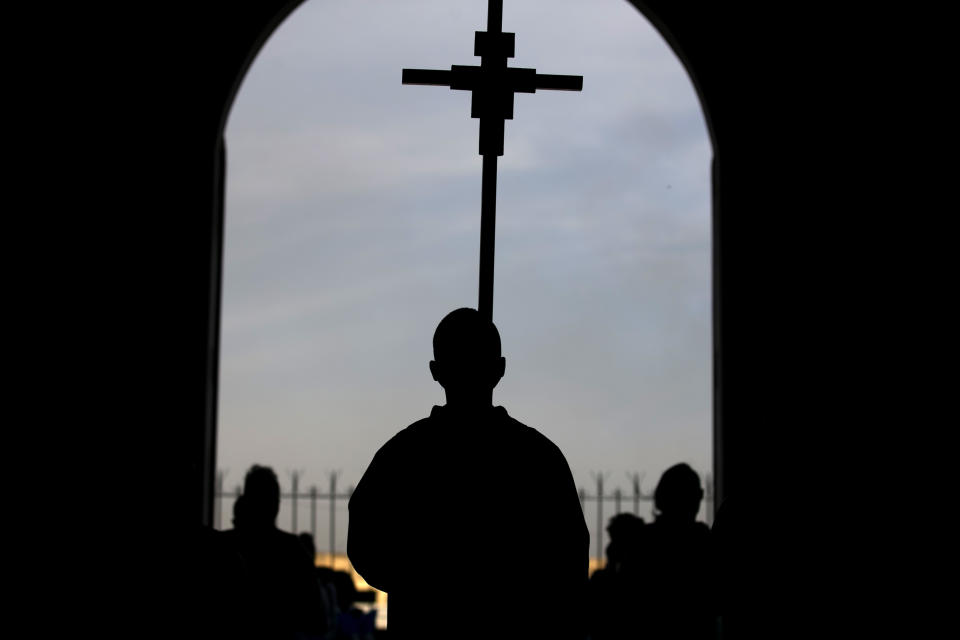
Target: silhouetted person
[[624, 530], [327, 579], [284, 599], [352, 623], [676, 561], [614, 588], [468, 519], [328, 593]]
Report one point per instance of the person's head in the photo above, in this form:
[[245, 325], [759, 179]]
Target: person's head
[[261, 496], [678, 494], [624, 532], [623, 526], [466, 357]]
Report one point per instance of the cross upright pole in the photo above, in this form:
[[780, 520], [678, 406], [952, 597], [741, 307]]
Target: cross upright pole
[[488, 235], [493, 85], [488, 188], [495, 15]]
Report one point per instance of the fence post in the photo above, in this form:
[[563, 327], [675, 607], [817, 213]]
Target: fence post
[[600, 519], [218, 500], [313, 513], [636, 494], [293, 496], [616, 500], [236, 496], [333, 515]]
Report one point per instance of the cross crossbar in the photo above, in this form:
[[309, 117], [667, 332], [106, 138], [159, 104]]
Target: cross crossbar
[[519, 76], [492, 85]]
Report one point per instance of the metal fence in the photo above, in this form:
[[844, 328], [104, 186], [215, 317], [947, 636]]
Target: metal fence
[[330, 498]]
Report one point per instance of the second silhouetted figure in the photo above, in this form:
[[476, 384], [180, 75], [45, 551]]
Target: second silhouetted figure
[[468, 519]]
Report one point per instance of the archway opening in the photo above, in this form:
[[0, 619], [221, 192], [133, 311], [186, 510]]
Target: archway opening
[[352, 227]]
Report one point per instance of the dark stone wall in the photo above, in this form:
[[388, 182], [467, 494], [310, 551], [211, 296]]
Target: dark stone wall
[[127, 109]]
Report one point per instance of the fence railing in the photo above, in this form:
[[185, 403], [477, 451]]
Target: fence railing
[[618, 497]]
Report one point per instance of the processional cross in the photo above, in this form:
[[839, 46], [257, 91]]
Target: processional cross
[[493, 85]]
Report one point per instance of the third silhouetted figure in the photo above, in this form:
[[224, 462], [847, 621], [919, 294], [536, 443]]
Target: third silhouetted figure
[[284, 599], [676, 561], [468, 519]]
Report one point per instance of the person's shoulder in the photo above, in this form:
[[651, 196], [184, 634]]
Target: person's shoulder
[[290, 543], [406, 437], [531, 435], [415, 430], [655, 529], [524, 429], [285, 537]]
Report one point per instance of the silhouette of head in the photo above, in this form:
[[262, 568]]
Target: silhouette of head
[[466, 357], [623, 525], [261, 497], [624, 531], [678, 494]]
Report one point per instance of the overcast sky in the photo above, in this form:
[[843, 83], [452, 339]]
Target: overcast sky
[[353, 226]]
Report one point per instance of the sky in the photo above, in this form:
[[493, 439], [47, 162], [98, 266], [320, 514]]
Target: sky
[[353, 225]]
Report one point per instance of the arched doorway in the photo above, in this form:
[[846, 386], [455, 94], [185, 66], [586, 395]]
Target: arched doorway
[[529, 219]]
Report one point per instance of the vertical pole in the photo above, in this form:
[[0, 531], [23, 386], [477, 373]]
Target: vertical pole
[[236, 496], [488, 228], [333, 514], [636, 494], [313, 513], [296, 488], [616, 501], [600, 519], [495, 16], [218, 500]]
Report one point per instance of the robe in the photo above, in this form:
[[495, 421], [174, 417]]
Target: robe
[[473, 526]]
